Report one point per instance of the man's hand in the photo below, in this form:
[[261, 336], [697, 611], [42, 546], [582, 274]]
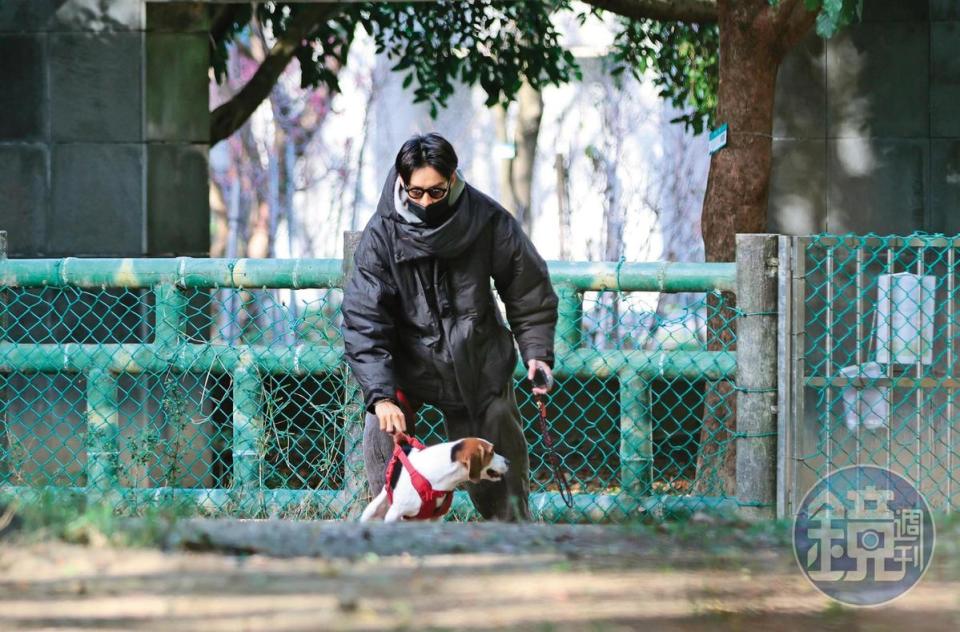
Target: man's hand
[[532, 367], [390, 416]]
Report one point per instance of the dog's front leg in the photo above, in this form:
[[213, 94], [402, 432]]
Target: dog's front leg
[[394, 513], [377, 508]]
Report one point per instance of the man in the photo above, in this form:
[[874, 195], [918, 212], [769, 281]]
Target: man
[[419, 316]]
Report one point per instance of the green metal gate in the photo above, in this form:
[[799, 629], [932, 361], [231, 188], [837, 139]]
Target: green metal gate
[[873, 325]]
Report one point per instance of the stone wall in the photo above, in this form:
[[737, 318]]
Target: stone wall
[[103, 138], [866, 134]]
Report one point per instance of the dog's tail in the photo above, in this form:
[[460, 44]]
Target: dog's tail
[[377, 508]]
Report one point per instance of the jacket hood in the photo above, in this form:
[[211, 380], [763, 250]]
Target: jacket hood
[[415, 241]]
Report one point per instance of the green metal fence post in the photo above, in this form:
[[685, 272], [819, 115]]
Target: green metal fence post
[[5, 465], [636, 436], [757, 374], [354, 478], [102, 433], [248, 438], [169, 317], [569, 319]]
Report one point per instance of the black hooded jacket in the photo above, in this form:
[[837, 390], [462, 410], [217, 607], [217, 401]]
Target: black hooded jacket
[[419, 312]]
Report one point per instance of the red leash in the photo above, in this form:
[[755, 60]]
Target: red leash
[[540, 380], [404, 403]]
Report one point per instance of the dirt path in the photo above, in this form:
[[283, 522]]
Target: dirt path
[[316, 576]]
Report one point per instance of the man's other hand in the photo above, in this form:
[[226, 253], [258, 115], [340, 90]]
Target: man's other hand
[[532, 367]]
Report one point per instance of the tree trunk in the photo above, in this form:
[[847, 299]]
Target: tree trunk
[[218, 212], [753, 39], [614, 220], [738, 184], [516, 174], [506, 163], [529, 113], [563, 206]]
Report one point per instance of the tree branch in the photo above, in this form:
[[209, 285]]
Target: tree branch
[[228, 117], [693, 11], [795, 22]]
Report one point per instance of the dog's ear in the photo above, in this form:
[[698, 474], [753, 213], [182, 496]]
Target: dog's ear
[[474, 454], [486, 452], [476, 465]]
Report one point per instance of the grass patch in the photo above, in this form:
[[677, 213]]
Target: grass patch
[[718, 529], [75, 520]]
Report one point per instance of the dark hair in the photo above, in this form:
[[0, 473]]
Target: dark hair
[[426, 150]]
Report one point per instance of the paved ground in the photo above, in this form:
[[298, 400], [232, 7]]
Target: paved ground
[[235, 575]]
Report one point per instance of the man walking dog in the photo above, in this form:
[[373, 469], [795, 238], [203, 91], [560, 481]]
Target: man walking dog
[[419, 317]]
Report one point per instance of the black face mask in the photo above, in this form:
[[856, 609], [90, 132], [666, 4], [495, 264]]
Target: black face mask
[[433, 215]]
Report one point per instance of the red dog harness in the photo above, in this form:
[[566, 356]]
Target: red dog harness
[[429, 509], [428, 495]]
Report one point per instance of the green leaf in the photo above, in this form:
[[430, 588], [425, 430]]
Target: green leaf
[[682, 60], [827, 25], [832, 7]]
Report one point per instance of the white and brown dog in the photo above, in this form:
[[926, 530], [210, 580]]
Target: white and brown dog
[[437, 470]]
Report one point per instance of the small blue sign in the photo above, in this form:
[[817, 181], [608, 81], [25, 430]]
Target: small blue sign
[[718, 139]]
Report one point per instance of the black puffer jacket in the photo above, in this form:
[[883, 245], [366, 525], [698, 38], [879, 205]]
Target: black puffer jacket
[[419, 312]]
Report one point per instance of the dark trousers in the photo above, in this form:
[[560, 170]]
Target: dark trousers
[[506, 499]]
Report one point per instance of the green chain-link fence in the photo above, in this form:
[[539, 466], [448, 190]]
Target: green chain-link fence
[[876, 322], [220, 384]]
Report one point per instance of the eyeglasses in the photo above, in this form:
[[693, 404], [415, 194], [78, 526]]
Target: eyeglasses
[[416, 193]]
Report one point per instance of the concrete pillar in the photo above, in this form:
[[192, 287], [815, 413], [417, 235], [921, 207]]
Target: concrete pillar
[[756, 433]]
